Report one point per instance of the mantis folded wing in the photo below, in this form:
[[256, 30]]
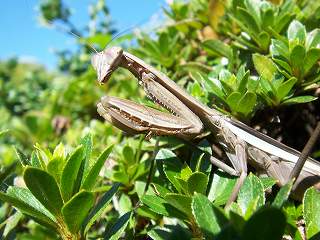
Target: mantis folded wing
[[189, 119]]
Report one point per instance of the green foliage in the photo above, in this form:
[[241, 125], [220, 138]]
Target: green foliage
[[298, 54], [247, 218], [62, 201], [260, 21], [237, 93], [16, 81]]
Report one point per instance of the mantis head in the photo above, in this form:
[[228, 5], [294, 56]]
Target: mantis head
[[106, 62]]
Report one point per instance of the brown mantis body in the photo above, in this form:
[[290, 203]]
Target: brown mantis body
[[190, 117]]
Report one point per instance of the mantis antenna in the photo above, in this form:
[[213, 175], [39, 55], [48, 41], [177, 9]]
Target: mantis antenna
[[65, 30]]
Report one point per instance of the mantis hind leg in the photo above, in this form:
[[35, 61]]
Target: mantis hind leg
[[235, 149], [281, 171], [269, 164]]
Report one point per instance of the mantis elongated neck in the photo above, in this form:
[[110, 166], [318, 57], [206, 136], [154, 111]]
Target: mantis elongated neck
[[136, 66]]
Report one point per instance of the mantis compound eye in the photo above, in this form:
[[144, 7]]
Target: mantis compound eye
[[106, 62]]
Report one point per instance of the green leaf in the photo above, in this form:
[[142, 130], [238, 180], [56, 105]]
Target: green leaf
[[146, 212], [35, 162], [266, 224], [6, 171], [87, 143], [200, 159], [299, 99], [57, 162], [213, 85], [233, 100], [267, 17], [25, 161], [248, 20], [159, 190], [264, 40], [207, 216], [139, 187], [11, 223], [76, 210], [311, 211], [297, 31], [221, 188], [183, 186], [170, 232], [313, 39], [161, 206], [128, 155], [247, 103], [3, 132], [171, 166], [179, 201], [284, 89], [264, 66], [120, 176], [195, 68], [43, 156], [312, 57], [164, 42], [118, 228], [185, 172], [100, 207], [286, 14], [284, 65], [93, 173], [251, 191], [243, 81], [70, 173], [279, 49], [217, 47], [125, 204], [197, 182], [282, 195], [267, 182], [45, 188], [156, 204], [23, 200], [253, 7], [297, 55]]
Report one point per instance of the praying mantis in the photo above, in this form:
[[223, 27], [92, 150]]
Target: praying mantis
[[242, 144]]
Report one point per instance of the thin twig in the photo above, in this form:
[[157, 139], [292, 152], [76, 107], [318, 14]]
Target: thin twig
[[154, 154], [305, 153]]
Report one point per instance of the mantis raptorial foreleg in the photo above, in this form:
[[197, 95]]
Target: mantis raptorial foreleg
[[241, 143], [184, 123], [135, 118]]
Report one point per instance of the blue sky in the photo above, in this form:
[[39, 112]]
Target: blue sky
[[22, 35]]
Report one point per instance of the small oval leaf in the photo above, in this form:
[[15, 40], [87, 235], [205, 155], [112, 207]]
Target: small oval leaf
[[76, 210], [311, 211], [282, 195], [70, 173], [93, 173], [198, 182], [251, 192], [207, 218], [45, 188]]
